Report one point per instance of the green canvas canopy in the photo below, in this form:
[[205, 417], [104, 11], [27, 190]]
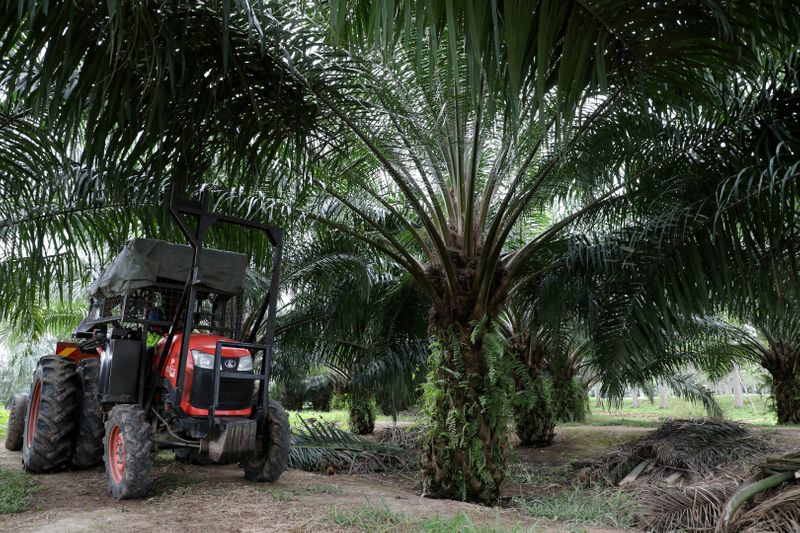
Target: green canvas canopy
[[144, 261]]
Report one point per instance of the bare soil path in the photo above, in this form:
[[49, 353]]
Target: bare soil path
[[217, 498]]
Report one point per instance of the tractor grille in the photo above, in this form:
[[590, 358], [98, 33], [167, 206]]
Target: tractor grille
[[234, 394]]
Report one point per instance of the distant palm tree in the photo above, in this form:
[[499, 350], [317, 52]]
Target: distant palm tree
[[23, 346], [769, 338], [360, 319]]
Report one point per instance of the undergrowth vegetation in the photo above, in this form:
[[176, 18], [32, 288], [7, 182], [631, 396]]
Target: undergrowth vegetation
[[379, 517], [16, 491], [756, 410], [578, 505]]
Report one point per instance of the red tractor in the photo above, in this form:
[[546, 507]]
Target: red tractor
[[161, 362]]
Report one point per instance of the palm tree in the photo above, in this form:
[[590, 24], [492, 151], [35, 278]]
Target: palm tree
[[105, 106], [724, 242], [557, 358], [467, 155], [446, 154], [770, 338], [24, 345], [356, 316]]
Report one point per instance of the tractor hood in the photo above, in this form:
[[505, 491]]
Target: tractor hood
[[204, 342], [141, 262]]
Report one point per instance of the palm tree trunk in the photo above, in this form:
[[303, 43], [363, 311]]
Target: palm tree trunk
[[464, 453], [535, 420], [570, 400], [781, 362], [635, 398], [786, 393], [598, 400], [662, 396], [361, 411], [737, 387], [534, 407]]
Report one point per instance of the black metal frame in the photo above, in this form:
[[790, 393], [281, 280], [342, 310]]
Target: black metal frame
[[262, 376], [181, 210], [84, 329]]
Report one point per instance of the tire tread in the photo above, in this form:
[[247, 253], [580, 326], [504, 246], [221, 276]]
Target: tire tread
[[273, 463], [138, 446], [52, 443], [88, 451], [16, 422]]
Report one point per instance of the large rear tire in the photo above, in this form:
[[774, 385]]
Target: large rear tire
[[50, 419], [16, 422], [88, 450], [126, 452], [271, 458]]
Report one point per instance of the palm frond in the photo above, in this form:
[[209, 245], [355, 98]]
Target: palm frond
[[322, 447]]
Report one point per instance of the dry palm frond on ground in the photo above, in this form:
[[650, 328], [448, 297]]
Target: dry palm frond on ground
[[323, 447], [407, 438], [778, 513], [689, 449], [767, 499], [702, 506], [689, 508]]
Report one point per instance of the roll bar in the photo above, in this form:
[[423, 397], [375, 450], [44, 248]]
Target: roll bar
[[182, 211]]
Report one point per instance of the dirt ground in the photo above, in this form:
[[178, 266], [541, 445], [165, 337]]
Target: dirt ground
[[217, 498]]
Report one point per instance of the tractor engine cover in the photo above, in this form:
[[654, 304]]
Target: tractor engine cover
[[234, 439]]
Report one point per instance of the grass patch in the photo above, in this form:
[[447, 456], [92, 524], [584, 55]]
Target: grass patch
[[3, 422], [602, 420], [166, 458], [16, 489], [756, 410], [461, 523], [290, 494], [381, 518], [581, 506], [528, 474], [177, 482], [369, 517], [339, 417]]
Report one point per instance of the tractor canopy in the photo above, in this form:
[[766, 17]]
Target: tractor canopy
[[143, 262]]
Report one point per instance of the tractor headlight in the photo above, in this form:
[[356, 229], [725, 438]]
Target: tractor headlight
[[202, 359], [245, 363]]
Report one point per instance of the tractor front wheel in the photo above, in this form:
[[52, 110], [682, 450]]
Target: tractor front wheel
[[271, 457], [50, 418], [16, 422], [127, 448]]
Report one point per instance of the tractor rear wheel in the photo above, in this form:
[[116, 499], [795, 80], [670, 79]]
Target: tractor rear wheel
[[50, 418], [88, 451], [271, 457], [16, 422], [126, 452]]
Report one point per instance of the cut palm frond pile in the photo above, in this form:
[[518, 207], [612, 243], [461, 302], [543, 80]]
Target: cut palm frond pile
[[322, 447], [693, 507], [779, 513], [407, 438], [767, 501], [725, 501], [678, 450]]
